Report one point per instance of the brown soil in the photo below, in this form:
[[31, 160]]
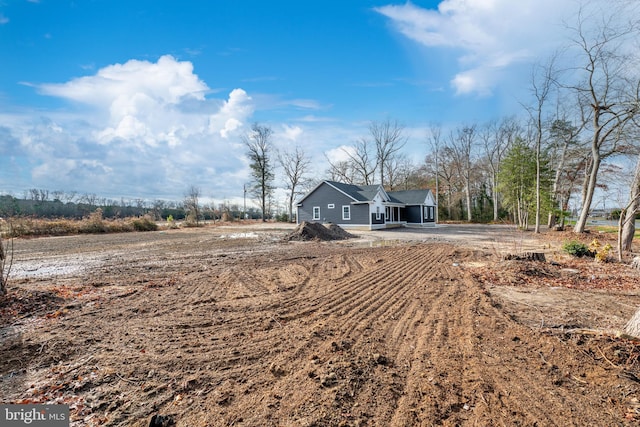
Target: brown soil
[[221, 326], [316, 231]]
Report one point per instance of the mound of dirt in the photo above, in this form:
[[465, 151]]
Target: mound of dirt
[[316, 231]]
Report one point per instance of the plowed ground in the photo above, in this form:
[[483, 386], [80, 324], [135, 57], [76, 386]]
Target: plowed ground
[[256, 332]]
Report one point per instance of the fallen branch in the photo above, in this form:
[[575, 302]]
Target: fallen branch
[[605, 358], [127, 379]]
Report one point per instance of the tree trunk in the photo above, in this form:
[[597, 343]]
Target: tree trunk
[[3, 284], [633, 325], [588, 194], [291, 207], [495, 202], [628, 230], [629, 226], [468, 197]]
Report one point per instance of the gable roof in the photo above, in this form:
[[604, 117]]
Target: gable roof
[[359, 193], [366, 193], [410, 197]]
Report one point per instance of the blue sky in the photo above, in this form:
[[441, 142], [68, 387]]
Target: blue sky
[[145, 98]]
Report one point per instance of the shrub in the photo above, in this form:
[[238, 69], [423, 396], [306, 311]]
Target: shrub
[[144, 224], [576, 248], [171, 224], [600, 252], [93, 224]]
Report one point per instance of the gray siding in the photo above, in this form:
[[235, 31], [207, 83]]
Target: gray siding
[[359, 215], [325, 195]]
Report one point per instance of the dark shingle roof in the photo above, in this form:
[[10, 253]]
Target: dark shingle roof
[[361, 193], [409, 197], [366, 193]]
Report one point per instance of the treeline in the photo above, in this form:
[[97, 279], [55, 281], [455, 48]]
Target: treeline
[[575, 136], [41, 203]]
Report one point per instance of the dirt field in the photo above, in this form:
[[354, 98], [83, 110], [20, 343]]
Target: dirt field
[[235, 326]]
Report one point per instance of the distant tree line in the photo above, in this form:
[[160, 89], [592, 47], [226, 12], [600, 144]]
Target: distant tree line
[[42, 203]]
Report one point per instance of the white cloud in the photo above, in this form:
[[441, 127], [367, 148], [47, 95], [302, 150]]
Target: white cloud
[[166, 81], [291, 133], [231, 116], [149, 131], [340, 154], [141, 99], [492, 35]]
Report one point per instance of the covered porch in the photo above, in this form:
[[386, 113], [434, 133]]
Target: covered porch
[[393, 215]]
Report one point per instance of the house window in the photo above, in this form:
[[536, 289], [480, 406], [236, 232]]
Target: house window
[[316, 213], [377, 213], [428, 212], [346, 213], [331, 206]]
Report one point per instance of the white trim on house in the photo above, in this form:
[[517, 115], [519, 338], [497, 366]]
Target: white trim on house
[[346, 213], [398, 208]]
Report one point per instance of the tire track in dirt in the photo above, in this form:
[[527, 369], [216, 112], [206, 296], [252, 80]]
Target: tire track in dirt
[[386, 294], [323, 335], [458, 375], [395, 287]]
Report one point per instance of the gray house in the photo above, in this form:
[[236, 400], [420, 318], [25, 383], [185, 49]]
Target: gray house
[[366, 206]]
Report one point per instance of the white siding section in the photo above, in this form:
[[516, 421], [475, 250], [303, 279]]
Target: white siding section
[[376, 203]]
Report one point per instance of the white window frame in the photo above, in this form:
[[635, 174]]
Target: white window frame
[[377, 213], [316, 213], [346, 209], [331, 206]]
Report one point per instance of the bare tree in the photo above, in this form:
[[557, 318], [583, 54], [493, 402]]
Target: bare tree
[[157, 207], [39, 195], [192, 205], [399, 169], [564, 151], [461, 147], [496, 139], [450, 182], [57, 195], [259, 146], [361, 165], [295, 165], [542, 81], [340, 171], [6, 258], [626, 225], [606, 103], [388, 137], [434, 139], [3, 285], [70, 196], [410, 176]]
